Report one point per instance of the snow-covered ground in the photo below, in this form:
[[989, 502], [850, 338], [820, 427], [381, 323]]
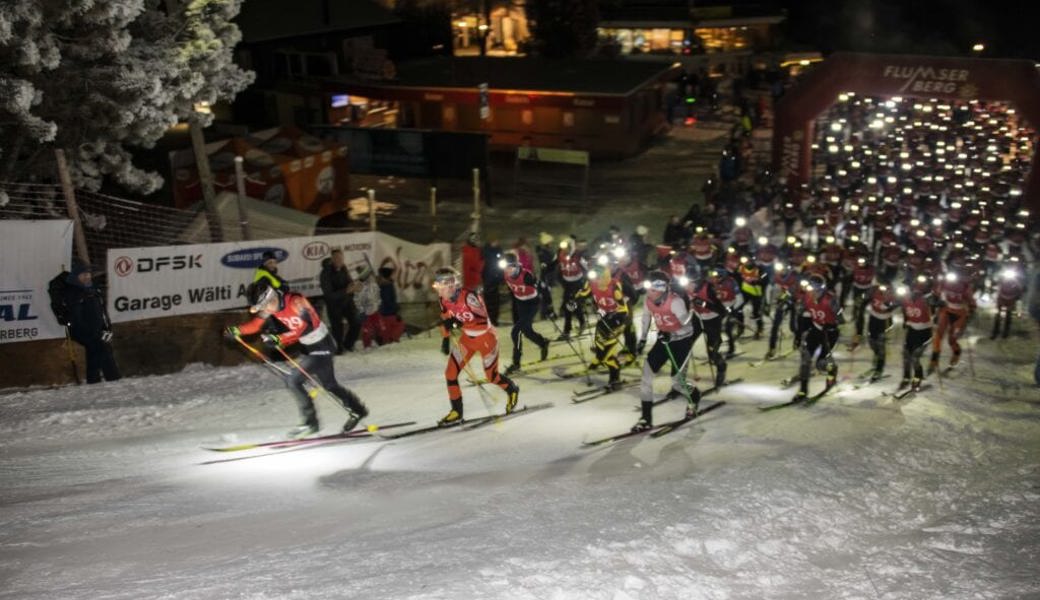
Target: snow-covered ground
[[106, 493]]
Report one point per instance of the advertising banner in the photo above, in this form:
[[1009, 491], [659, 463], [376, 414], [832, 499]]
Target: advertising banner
[[164, 281], [31, 254]]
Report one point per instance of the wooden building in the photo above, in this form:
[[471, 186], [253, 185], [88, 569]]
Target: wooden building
[[610, 108]]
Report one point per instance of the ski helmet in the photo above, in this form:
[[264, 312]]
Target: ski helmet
[[446, 278], [657, 281], [508, 261], [260, 294]]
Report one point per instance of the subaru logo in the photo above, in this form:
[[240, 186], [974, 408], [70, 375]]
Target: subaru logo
[[251, 258]]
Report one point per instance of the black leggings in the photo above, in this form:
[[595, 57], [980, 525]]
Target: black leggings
[[524, 312], [318, 362]]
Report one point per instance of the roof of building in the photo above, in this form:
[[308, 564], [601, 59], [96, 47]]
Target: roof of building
[[267, 20], [592, 76]]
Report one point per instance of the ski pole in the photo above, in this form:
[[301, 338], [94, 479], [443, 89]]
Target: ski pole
[[680, 372], [72, 356], [260, 355], [317, 386], [581, 357]]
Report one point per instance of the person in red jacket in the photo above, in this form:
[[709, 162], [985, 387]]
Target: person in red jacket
[[1009, 290], [917, 319], [302, 325], [462, 308], [472, 263], [825, 313]]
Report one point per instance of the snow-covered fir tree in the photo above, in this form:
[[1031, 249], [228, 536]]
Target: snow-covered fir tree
[[97, 77]]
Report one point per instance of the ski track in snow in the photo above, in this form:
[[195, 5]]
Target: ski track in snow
[[105, 494]]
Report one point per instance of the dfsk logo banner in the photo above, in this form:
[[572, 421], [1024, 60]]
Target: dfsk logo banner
[[178, 280], [31, 253]]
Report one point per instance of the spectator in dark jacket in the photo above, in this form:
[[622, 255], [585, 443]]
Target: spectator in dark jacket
[[492, 278], [391, 325], [338, 289], [89, 325]]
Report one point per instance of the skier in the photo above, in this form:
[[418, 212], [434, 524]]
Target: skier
[[862, 280], [572, 265], [524, 287], [674, 341], [464, 309], [608, 295], [957, 302], [881, 304], [303, 326], [1009, 290], [818, 349], [917, 319], [752, 289], [727, 291], [710, 311], [786, 284]]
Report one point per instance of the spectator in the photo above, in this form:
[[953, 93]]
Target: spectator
[[675, 233], [88, 323], [492, 278], [472, 262], [268, 269], [391, 325], [367, 299], [338, 289]]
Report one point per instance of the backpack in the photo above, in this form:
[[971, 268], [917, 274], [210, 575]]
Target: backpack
[[56, 290]]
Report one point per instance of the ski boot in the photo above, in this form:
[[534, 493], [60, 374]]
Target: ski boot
[[771, 354], [731, 352], [352, 420], [543, 353], [512, 395], [956, 358], [876, 376], [642, 425], [915, 384], [801, 396], [672, 394], [903, 383], [693, 403], [303, 430], [614, 385], [934, 363], [513, 368], [454, 416]]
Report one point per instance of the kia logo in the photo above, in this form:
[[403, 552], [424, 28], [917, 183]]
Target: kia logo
[[124, 266], [315, 250]]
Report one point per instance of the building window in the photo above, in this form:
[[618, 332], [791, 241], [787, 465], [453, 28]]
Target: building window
[[568, 119]]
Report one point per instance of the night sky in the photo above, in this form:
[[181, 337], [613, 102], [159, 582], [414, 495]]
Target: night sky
[[947, 27]]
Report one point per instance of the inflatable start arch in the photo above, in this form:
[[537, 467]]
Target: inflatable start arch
[[946, 78]]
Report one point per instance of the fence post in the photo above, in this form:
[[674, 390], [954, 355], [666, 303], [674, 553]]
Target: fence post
[[70, 206], [433, 208], [476, 201], [209, 198], [371, 209], [240, 184]]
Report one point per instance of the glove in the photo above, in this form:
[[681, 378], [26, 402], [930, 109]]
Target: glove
[[571, 306], [664, 336], [445, 346], [640, 346], [271, 340], [106, 336], [451, 323], [232, 333]]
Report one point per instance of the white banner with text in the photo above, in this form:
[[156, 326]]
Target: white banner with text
[[164, 281], [31, 254]]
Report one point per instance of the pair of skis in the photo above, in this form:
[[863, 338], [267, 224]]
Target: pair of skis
[[655, 431], [670, 396], [307, 441], [579, 396], [910, 391], [801, 400], [470, 424], [756, 364]]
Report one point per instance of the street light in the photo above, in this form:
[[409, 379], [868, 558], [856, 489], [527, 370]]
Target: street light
[[978, 47]]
